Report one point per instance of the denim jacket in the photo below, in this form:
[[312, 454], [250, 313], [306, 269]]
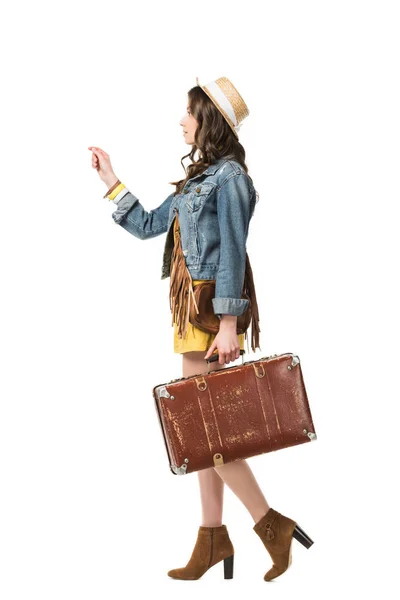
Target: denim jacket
[[215, 209]]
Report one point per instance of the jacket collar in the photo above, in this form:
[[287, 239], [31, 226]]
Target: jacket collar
[[211, 169], [214, 167]]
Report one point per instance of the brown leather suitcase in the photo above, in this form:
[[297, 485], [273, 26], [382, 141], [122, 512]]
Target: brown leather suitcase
[[234, 413]]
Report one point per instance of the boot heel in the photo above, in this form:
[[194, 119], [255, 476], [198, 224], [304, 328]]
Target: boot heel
[[228, 567], [302, 537]]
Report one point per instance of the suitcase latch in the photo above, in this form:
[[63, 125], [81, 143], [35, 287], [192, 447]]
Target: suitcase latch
[[218, 459], [259, 369], [201, 384]]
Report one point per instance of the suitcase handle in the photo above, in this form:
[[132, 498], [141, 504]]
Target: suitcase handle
[[215, 357]]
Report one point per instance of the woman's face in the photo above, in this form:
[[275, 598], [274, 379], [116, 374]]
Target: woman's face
[[189, 125]]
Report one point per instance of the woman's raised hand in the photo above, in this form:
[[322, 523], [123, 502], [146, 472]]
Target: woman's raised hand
[[101, 162]]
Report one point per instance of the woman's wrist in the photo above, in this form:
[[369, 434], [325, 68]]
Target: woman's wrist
[[117, 185], [228, 321], [110, 181]]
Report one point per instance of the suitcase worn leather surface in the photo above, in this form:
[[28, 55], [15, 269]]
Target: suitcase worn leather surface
[[233, 413]]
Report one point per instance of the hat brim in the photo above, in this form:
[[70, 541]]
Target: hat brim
[[213, 101]]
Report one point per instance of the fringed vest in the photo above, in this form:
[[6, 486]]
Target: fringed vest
[[181, 291]]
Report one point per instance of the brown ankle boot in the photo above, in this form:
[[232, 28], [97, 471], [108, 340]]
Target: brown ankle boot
[[277, 532], [212, 545]]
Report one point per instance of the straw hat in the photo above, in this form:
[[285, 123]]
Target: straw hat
[[228, 101]]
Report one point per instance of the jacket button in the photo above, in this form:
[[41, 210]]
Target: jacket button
[[185, 191], [198, 189]]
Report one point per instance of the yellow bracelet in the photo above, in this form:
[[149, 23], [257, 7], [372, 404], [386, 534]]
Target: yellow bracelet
[[115, 192]]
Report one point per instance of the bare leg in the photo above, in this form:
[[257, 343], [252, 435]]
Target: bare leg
[[240, 479], [212, 497], [211, 484]]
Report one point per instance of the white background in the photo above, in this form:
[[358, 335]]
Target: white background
[[88, 505]]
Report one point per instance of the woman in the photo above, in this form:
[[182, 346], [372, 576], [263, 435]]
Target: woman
[[215, 203]]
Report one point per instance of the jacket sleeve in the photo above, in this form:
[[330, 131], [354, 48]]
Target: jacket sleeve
[[132, 216], [235, 207]]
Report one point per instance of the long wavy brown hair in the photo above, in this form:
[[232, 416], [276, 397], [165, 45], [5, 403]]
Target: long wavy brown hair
[[213, 138]]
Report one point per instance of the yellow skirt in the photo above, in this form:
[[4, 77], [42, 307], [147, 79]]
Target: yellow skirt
[[195, 338]]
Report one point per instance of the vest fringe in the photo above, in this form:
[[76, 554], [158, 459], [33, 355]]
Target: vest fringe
[[181, 286], [250, 289]]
